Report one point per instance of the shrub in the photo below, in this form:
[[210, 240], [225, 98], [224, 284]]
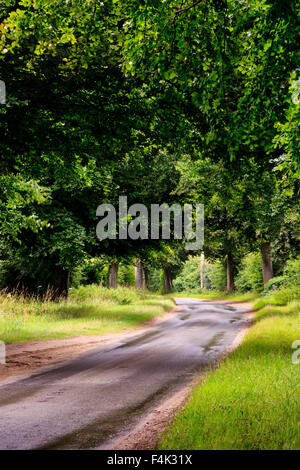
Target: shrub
[[250, 274], [217, 276], [285, 295], [292, 271], [214, 276], [95, 293], [274, 284], [189, 277], [92, 271], [155, 281], [122, 295], [126, 275], [279, 297]]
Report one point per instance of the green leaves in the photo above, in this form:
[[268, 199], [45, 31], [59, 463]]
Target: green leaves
[[17, 206], [118, 97]]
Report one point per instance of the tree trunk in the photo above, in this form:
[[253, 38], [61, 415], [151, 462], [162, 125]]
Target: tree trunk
[[201, 270], [139, 275], [267, 265], [167, 281], [230, 278], [113, 275], [63, 283], [146, 277]]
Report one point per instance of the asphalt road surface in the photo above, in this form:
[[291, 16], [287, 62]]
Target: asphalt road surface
[[86, 401]]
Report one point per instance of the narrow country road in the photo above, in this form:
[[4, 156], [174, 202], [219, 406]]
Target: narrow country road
[[84, 402]]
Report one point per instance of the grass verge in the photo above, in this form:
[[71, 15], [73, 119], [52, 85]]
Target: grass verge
[[90, 310], [252, 400], [195, 295], [210, 295]]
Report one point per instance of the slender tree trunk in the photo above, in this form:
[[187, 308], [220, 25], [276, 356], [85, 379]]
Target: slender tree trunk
[[146, 277], [113, 275], [63, 283], [167, 281], [201, 270], [267, 265], [230, 278], [139, 275]]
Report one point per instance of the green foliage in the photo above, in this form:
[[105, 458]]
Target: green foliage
[[86, 133], [129, 97], [285, 295], [217, 276], [287, 138], [94, 271], [214, 276], [278, 297], [292, 271], [121, 295], [282, 289], [274, 284], [189, 277], [155, 280], [126, 275], [17, 207], [250, 273]]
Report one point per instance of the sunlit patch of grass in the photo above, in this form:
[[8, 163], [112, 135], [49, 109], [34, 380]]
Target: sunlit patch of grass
[[252, 400], [92, 312]]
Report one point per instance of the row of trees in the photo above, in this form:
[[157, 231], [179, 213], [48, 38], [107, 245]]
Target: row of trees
[[164, 102]]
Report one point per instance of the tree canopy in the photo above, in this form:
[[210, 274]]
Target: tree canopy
[[162, 101]]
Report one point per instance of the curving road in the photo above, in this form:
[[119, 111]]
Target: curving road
[[84, 402]]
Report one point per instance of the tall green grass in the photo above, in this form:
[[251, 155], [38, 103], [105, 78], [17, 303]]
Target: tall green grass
[[90, 310], [279, 297]]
